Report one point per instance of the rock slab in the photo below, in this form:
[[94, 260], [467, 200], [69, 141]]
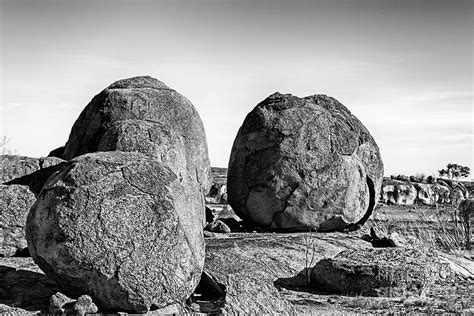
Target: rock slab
[[119, 227], [303, 162], [379, 272]]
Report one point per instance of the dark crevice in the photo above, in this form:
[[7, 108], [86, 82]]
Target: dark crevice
[[370, 209], [23, 253], [209, 294]]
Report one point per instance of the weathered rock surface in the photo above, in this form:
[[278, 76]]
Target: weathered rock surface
[[15, 203], [379, 272], [84, 305], [244, 270], [119, 227], [143, 114], [253, 267], [398, 193], [300, 162], [32, 172]]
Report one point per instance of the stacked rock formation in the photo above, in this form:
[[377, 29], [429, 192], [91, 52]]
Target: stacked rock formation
[[122, 221], [303, 162]]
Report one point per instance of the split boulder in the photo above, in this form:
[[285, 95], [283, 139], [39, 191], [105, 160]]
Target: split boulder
[[303, 162]]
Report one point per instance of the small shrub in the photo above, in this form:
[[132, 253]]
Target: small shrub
[[4, 149]]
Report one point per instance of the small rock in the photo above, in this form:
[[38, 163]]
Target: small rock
[[57, 303], [84, 305], [397, 240], [209, 215], [209, 234], [218, 226]]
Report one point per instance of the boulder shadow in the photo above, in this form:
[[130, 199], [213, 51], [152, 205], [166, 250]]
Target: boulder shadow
[[210, 295], [300, 283], [25, 289]]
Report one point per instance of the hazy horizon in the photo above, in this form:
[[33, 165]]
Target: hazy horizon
[[404, 68]]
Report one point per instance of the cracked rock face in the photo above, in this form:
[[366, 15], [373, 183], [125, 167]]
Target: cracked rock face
[[303, 162], [119, 227], [131, 115]]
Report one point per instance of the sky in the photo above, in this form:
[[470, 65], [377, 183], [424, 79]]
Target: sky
[[404, 68]]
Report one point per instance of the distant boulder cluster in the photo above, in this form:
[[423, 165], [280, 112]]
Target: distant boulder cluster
[[406, 191]]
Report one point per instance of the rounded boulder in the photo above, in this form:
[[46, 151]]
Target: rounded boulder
[[303, 162], [138, 104], [121, 228]]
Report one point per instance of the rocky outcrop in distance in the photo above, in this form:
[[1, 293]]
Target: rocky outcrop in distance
[[408, 191], [399, 190]]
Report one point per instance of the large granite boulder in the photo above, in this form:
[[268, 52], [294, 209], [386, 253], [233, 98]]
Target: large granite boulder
[[380, 272], [398, 193], [32, 172], [303, 162], [144, 115], [15, 203], [120, 227]]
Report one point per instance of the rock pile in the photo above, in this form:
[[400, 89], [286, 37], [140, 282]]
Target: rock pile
[[122, 219], [303, 162], [407, 191]]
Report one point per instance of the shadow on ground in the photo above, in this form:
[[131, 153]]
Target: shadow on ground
[[25, 289]]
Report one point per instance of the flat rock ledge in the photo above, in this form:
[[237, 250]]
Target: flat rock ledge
[[380, 272]]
